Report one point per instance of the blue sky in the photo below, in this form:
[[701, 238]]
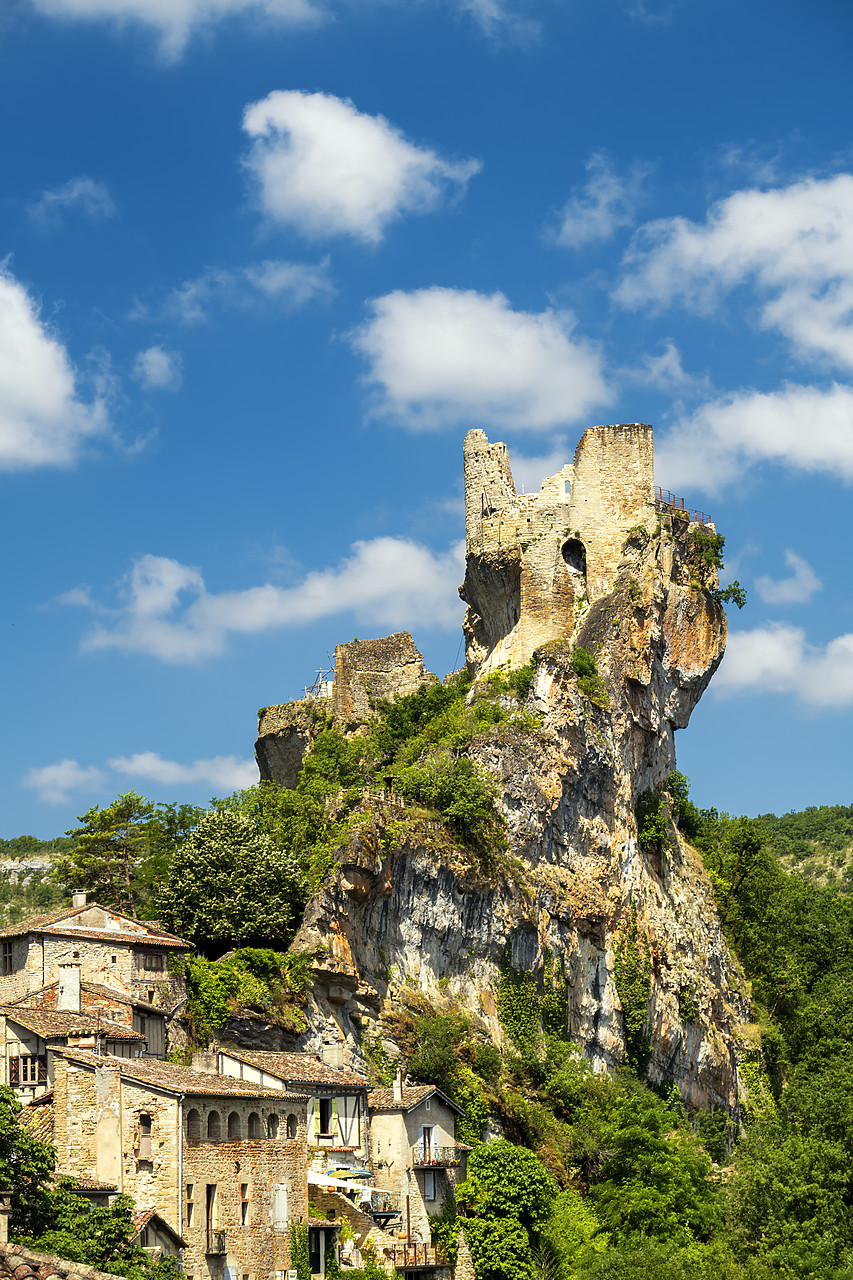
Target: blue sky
[[264, 262]]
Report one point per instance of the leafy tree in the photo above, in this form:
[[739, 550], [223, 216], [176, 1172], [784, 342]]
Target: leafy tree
[[26, 1166], [229, 885], [506, 1181], [500, 1248], [111, 845]]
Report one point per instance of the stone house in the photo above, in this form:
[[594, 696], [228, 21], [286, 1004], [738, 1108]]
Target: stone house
[[221, 1161], [29, 1036], [414, 1152], [113, 1006]]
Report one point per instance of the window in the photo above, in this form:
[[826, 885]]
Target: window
[[426, 1104], [144, 1237], [234, 1128], [152, 962], [244, 1203], [190, 1203], [327, 1111], [292, 1126], [429, 1186], [213, 1126], [28, 1070], [279, 1211], [272, 1126], [6, 961], [114, 959], [193, 1126], [144, 1137], [255, 1129]]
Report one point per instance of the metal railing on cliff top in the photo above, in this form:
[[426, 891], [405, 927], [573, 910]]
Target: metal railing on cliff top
[[666, 501]]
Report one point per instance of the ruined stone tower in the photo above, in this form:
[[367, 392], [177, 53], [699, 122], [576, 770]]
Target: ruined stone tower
[[535, 562]]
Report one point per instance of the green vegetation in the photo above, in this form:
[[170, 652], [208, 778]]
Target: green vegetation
[[633, 974], [257, 979], [590, 682]]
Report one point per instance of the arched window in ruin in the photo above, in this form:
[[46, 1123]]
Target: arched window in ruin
[[574, 554], [255, 1127], [292, 1125], [272, 1126], [214, 1127], [193, 1126], [234, 1129]]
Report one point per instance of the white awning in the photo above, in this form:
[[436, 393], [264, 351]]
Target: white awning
[[323, 1180]]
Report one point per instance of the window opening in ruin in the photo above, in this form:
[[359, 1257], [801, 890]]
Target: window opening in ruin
[[272, 1127], [244, 1203], [144, 1137], [213, 1126], [234, 1133], [292, 1125], [567, 487], [429, 1186], [255, 1125], [7, 962], [574, 554], [193, 1126]]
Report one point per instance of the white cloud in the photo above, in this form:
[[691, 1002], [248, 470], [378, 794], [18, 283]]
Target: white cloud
[[497, 19], [444, 356], [800, 427], [797, 589], [158, 369], [90, 197], [225, 773], [54, 782], [794, 244], [176, 20], [290, 284], [778, 659], [529, 472], [605, 202], [168, 613], [42, 420], [327, 169]]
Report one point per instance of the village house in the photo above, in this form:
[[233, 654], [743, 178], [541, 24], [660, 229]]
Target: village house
[[220, 1162], [29, 1036]]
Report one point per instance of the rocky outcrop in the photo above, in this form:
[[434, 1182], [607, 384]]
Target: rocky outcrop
[[284, 735], [367, 671], [402, 908]]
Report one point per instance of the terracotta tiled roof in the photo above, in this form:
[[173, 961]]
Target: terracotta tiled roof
[[412, 1095], [145, 932], [174, 1078], [37, 1117], [48, 1023], [145, 1217], [92, 1184], [26, 1264], [95, 989], [298, 1068], [324, 1222]]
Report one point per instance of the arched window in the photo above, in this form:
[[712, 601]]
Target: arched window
[[292, 1125], [213, 1126], [272, 1126], [255, 1127], [574, 554], [193, 1126], [234, 1130]]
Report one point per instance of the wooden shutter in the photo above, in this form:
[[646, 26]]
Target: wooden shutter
[[333, 1123], [14, 1071], [42, 1072]]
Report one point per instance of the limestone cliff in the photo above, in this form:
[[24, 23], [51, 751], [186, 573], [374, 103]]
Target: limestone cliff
[[402, 907]]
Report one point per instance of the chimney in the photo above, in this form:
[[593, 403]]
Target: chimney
[[398, 1085], [68, 991], [5, 1214], [78, 898], [206, 1061]]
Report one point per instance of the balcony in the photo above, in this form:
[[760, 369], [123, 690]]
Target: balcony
[[429, 1156], [408, 1257], [216, 1241]]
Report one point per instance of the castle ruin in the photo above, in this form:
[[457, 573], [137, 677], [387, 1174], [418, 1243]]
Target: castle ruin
[[535, 562]]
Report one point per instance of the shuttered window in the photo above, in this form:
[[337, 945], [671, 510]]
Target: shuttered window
[[279, 1207]]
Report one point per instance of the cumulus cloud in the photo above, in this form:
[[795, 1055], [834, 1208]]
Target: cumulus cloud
[[604, 203], [223, 773], [327, 169], [666, 372], [802, 584], [85, 194], [443, 356], [166, 611], [55, 782], [528, 471], [43, 421], [158, 369], [794, 244], [803, 428], [289, 284], [778, 659], [175, 20]]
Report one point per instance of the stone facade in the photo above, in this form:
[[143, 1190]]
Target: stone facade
[[535, 561], [376, 669], [221, 1162]]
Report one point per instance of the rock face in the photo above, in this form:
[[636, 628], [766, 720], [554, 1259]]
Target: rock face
[[403, 908]]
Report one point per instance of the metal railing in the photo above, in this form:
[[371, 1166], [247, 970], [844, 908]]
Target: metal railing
[[666, 501], [430, 1156], [216, 1241], [416, 1255]]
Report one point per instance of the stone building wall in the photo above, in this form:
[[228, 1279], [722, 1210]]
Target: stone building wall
[[373, 669], [37, 959], [536, 561], [393, 1134]]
